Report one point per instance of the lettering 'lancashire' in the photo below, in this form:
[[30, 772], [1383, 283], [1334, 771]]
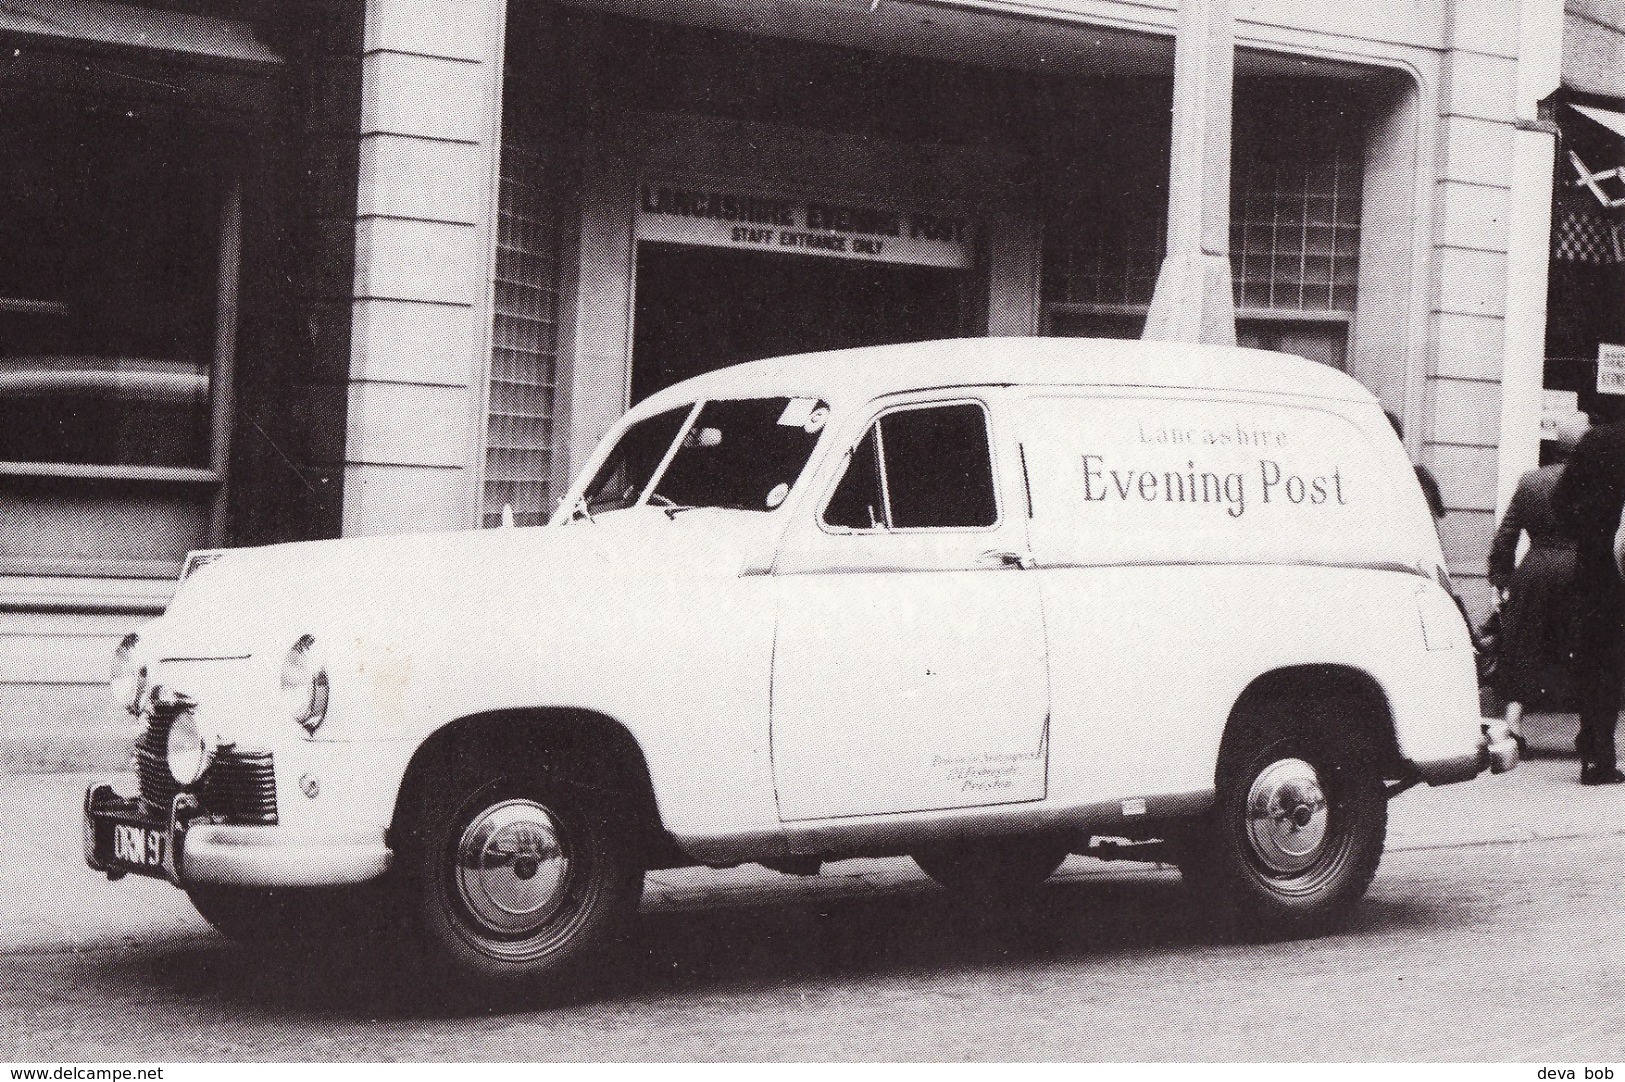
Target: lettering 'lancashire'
[[721, 206]]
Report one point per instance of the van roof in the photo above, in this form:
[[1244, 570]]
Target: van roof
[[849, 375]]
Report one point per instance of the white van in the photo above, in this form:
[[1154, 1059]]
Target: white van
[[984, 602]]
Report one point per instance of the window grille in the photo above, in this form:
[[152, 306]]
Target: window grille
[[1297, 171], [524, 354], [1106, 264], [1295, 221]]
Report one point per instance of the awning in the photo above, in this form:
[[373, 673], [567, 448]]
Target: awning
[[1588, 224], [120, 24], [1614, 122], [1588, 147]]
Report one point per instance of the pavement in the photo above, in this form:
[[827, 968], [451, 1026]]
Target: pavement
[[69, 908], [74, 746]]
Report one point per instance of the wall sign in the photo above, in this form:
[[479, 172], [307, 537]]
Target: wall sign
[[1610, 369], [725, 218], [1555, 408]]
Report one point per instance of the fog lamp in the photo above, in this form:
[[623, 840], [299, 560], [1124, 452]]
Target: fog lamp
[[304, 684], [190, 752], [128, 679]]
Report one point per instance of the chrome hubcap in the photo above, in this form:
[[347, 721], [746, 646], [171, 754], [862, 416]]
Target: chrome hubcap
[[511, 868], [1286, 816]]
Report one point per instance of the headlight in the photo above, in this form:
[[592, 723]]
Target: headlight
[[304, 684], [128, 679], [189, 752]]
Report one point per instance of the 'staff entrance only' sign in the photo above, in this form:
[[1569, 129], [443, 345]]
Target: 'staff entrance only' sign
[[715, 218]]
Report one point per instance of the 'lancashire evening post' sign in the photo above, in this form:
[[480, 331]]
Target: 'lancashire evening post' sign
[[724, 218]]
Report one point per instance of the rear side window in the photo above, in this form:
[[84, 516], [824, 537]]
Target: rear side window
[[928, 467]]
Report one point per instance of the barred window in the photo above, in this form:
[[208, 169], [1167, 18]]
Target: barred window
[[520, 430], [1295, 204], [1296, 176]]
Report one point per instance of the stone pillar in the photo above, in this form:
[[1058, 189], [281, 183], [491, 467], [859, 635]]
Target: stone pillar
[[1484, 298], [1523, 370], [1194, 301], [425, 243]]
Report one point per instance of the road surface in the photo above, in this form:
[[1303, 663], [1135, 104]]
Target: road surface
[[1493, 932]]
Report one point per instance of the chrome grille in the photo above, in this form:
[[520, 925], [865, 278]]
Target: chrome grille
[[158, 785], [240, 786]]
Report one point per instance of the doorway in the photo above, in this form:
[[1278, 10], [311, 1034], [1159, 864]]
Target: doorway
[[700, 308]]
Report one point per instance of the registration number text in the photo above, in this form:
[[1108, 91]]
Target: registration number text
[[137, 845]]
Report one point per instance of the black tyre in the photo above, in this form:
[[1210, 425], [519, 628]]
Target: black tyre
[[524, 884], [993, 868], [1295, 834]]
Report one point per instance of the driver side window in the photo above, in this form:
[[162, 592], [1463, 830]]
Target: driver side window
[[925, 467]]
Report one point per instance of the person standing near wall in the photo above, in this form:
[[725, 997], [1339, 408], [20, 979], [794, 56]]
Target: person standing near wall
[[1586, 503], [1536, 644], [1424, 476]]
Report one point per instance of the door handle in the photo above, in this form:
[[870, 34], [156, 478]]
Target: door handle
[[1007, 558]]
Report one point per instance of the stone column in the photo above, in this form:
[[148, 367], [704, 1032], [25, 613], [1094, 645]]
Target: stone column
[[1480, 428], [425, 235], [1193, 301], [1523, 369]]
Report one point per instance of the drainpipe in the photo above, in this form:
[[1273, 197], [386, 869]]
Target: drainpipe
[[1529, 232], [1194, 301]]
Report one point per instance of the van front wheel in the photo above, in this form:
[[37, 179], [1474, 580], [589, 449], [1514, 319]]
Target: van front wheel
[[1295, 835], [525, 883]]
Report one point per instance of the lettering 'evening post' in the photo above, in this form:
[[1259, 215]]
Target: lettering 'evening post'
[[1143, 479]]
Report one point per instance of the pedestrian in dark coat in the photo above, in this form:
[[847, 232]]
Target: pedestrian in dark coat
[[1534, 655], [1424, 476], [1587, 503]]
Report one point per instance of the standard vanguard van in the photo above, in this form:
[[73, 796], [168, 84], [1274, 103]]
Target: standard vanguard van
[[986, 603]]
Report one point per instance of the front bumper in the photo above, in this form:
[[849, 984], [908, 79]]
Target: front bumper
[[195, 848]]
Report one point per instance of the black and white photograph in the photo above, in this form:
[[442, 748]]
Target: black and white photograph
[[823, 532]]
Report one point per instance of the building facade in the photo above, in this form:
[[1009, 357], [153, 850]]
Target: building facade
[[1585, 313], [341, 268]]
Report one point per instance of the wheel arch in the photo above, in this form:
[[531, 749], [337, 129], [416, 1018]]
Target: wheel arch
[[604, 753], [1322, 695]]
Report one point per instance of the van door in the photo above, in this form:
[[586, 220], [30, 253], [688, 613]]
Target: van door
[[909, 669]]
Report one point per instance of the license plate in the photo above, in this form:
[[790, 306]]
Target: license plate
[[138, 846]]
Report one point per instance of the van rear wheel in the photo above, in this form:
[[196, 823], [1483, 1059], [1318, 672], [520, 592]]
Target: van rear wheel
[[1295, 834]]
